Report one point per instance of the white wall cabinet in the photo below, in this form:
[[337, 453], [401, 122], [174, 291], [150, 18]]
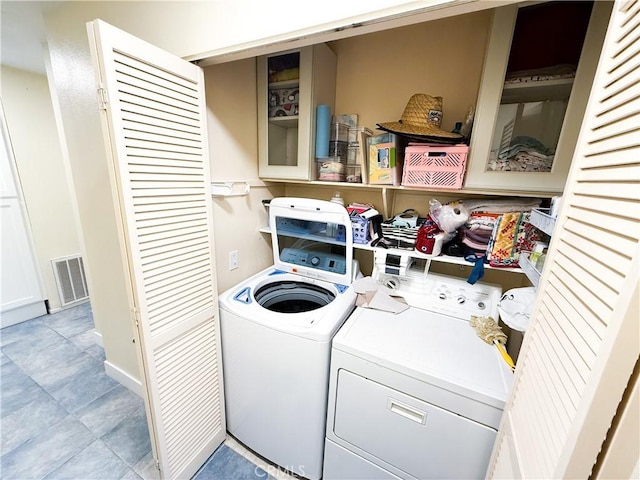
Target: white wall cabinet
[[290, 86], [529, 114]]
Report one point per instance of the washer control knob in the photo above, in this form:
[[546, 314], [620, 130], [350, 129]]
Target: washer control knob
[[315, 261], [481, 305], [442, 296], [461, 299]]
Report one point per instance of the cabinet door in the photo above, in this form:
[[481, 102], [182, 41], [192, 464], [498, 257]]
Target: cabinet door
[[531, 103], [21, 296], [154, 125], [290, 87], [582, 345]]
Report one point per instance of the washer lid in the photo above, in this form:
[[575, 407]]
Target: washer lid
[[312, 238]]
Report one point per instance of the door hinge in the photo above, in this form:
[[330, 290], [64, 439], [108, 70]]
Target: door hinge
[[157, 463], [135, 316], [102, 98]]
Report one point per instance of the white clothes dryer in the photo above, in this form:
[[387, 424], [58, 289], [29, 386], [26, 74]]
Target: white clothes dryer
[[276, 331], [417, 395]]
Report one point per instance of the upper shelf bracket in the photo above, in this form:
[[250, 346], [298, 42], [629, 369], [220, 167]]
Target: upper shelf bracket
[[230, 189]]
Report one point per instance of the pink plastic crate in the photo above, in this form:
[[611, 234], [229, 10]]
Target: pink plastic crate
[[431, 165]]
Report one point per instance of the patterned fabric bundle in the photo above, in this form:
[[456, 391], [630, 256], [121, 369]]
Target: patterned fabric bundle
[[512, 234]]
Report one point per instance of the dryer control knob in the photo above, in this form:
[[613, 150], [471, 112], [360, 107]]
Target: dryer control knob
[[442, 296], [481, 305], [461, 299], [315, 261]]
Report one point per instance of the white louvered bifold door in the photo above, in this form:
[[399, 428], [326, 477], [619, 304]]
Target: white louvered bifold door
[[584, 339], [154, 118]]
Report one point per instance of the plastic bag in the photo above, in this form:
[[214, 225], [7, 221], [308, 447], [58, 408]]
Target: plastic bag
[[449, 217]]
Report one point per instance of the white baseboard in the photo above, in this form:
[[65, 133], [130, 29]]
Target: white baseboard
[[98, 336], [22, 313], [123, 378]]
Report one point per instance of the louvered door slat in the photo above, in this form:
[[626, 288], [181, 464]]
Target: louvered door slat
[[583, 340], [143, 201], [151, 207], [186, 114], [569, 273], [155, 124], [570, 257], [612, 117], [613, 158], [171, 213], [162, 289], [574, 336], [164, 79], [137, 107], [618, 101], [190, 185], [605, 221], [538, 460], [624, 190], [583, 305], [131, 81], [600, 258], [148, 243], [169, 146], [576, 312], [142, 156], [615, 143], [163, 301], [541, 400], [155, 118], [152, 274], [623, 174], [557, 362], [603, 239], [154, 140]]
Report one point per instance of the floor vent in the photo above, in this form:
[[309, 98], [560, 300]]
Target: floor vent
[[72, 284]]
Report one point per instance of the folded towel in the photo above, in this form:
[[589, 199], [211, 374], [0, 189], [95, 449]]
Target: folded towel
[[502, 205]]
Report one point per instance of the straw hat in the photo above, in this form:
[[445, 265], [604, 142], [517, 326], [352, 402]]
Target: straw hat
[[422, 117]]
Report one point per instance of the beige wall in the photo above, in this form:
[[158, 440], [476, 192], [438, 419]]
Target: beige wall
[[71, 73], [43, 175], [378, 72], [233, 148]]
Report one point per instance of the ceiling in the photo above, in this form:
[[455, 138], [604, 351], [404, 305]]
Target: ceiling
[[22, 34]]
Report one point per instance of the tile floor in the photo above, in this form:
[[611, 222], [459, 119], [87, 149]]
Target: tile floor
[[62, 417]]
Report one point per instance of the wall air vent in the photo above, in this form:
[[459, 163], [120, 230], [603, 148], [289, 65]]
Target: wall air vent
[[72, 284]]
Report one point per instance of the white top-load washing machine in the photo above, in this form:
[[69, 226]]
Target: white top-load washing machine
[[416, 395], [276, 331]]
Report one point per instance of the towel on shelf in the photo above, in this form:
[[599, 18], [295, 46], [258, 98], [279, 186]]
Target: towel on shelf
[[501, 205], [513, 235]]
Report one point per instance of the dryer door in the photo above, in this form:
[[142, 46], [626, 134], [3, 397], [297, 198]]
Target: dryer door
[[312, 238], [415, 436]]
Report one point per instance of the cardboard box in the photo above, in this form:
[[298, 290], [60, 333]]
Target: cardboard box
[[385, 159]]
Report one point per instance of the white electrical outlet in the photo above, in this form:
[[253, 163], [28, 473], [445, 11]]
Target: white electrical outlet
[[233, 259]]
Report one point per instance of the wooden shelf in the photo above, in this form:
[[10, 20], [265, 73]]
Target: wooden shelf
[[461, 192], [523, 92], [290, 121], [413, 253], [294, 82]]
